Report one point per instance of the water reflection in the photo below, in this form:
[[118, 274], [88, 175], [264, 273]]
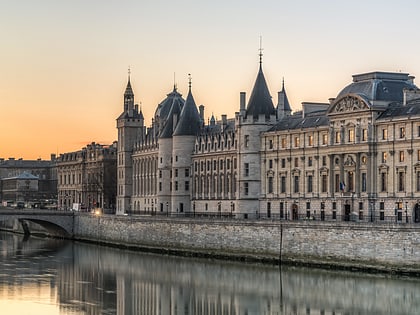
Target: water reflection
[[87, 279]]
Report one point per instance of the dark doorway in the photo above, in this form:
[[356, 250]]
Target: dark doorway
[[347, 210]]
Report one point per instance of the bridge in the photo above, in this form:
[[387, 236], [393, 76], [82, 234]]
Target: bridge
[[58, 223]]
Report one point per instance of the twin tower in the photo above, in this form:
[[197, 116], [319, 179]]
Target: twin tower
[[182, 165]]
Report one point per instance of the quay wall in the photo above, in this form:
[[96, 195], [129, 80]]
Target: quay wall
[[352, 245]]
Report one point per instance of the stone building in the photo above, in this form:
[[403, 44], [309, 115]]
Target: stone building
[[356, 158], [87, 178], [42, 177], [353, 158]]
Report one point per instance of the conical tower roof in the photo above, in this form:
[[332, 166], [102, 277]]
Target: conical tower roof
[[260, 102], [287, 106], [168, 128], [128, 89], [189, 121]]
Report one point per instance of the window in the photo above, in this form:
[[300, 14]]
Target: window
[[227, 164], [270, 185], [176, 172], [283, 142], [334, 205], [384, 134], [310, 140], [337, 137], [296, 142], [281, 210], [246, 141], [308, 206], [214, 165], [160, 174], [384, 157], [364, 135], [310, 180], [283, 161], [324, 139], [310, 161], [246, 189], [402, 132], [187, 172], [351, 135], [187, 185], [270, 164], [221, 164], [401, 156], [382, 205], [296, 184], [337, 182], [418, 131], [246, 169], [360, 205], [418, 181], [418, 155], [160, 186], [283, 184], [401, 181], [324, 161], [176, 185], [270, 144], [363, 182], [296, 162], [324, 183], [383, 182]]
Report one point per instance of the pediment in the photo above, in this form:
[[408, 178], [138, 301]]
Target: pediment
[[349, 103]]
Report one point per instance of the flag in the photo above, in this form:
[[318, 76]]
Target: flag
[[342, 185]]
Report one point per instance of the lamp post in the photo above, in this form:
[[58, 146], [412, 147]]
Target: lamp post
[[194, 209], [406, 214], [231, 209], [287, 210], [167, 208]]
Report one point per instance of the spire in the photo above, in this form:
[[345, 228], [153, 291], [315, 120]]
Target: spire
[[189, 81], [128, 89], [189, 120], [260, 102], [261, 50]]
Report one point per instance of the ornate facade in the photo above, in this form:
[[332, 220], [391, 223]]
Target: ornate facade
[[354, 158]]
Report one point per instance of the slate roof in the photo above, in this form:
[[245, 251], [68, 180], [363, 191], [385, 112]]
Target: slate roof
[[128, 89], [260, 102], [24, 176], [189, 120], [379, 86], [300, 122], [287, 106], [163, 109], [168, 127], [399, 110]]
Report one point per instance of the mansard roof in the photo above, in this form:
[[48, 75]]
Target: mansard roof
[[379, 86], [189, 120], [298, 121], [399, 110], [260, 102], [168, 127]]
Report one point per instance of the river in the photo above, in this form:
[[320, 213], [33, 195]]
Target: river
[[49, 276]]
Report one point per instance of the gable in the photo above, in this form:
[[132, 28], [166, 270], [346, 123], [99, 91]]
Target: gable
[[349, 103]]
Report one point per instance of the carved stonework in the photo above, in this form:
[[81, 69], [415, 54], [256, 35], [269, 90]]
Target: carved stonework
[[349, 161], [350, 104]]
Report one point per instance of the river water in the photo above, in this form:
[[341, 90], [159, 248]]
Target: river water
[[48, 276]]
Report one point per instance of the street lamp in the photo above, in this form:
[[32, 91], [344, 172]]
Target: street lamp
[[231, 209], [406, 214], [287, 210], [167, 208], [194, 209]]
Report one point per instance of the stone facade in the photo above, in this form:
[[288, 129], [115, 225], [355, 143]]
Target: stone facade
[[354, 158], [87, 178], [33, 182]]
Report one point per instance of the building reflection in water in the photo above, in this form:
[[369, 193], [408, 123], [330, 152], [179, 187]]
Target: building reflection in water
[[88, 279]]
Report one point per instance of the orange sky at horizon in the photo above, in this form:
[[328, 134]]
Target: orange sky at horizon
[[64, 65]]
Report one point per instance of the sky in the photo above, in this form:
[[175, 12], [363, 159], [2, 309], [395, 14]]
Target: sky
[[64, 64]]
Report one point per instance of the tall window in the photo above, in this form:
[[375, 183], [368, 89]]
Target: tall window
[[246, 141], [296, 142], [283, 184], [310, 160], [384, 157], [351, 135], [283, 142], [418, 181], [402, 132], [324, 161], [270, 185], [364, 182], [384, 134], [401, 156], [325, 139], [310, 140], [270, 164], [246, 189], [246, 169], [324, 183], [310, 179], [296, 162], [401, 181], [296, 184], [364, 135], [283, 162], [337, 183], [337, 137], [350, 178], [383, 182]]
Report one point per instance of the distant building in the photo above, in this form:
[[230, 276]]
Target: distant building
[[87, 178], [354, 158], [33, 182]]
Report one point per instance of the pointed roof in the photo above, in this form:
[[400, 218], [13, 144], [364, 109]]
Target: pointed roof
[[189, 121], [168, 127], [128, 89], [287, 106], [164, 107], [260, 102]]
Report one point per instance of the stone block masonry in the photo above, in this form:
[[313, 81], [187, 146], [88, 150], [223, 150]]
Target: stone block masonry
[[389, 248]]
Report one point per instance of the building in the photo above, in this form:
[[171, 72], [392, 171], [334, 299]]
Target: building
[[31, 182], [354, 158], [87, 178]]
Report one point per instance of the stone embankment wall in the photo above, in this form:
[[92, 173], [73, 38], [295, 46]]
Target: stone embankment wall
[[394, 247]]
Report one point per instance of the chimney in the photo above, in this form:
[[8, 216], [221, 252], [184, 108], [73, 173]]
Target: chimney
[[201, 109], [242, 101], [224, 122]]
